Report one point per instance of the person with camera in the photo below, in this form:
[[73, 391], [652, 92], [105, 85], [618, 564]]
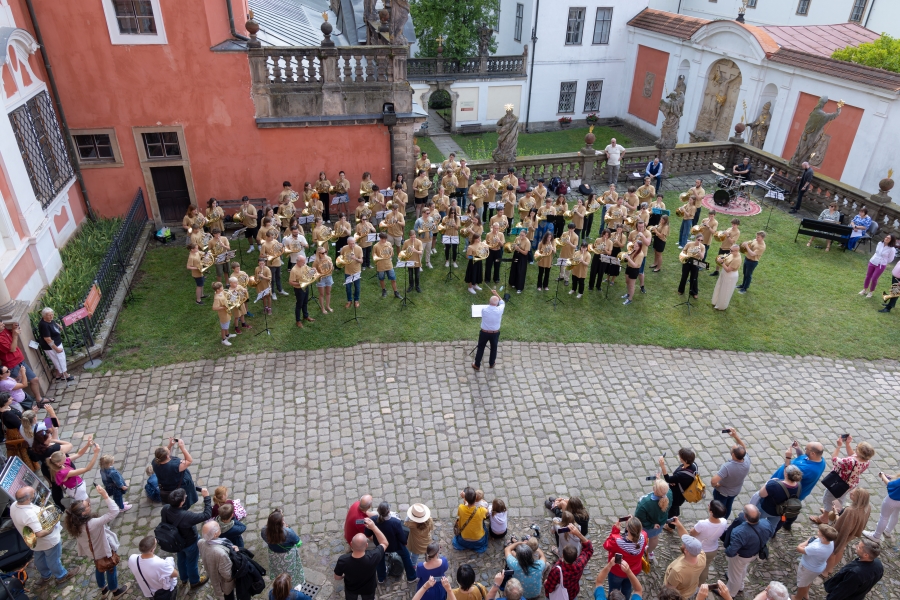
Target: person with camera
[[527, 565], [151, 572], [95, 539], [600, 592], [568, 570], [172, 472], [729, 480], [629, 546], [358, 567], [12, 358], [746, 538], [176, 513]]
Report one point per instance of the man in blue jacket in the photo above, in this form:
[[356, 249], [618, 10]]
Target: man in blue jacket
[[747, 539]]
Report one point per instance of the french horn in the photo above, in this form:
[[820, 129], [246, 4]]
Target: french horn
[[251, 281], [243, 279], [198, 223], [204, 242], [325, 236], [508, 247], [405, 255], [684, 196], [383, 253], [696, 253], [277, 250], [293, 197], [48, 517], [567, 215], [744, 247], [558, 243], [576, 259], [206, 261], [721, 235], [680, 211], [238, 217], [696, 229], [481, 253], [233, 298], [628, 249], [894, 292], [308, 275], [340, 262]]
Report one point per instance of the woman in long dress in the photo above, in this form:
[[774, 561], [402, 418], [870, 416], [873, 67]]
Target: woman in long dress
[[284, 554], [731, 263]]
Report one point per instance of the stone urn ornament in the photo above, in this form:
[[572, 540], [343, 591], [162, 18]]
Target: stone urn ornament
[[252, 28], [589, 140], [884, 186]]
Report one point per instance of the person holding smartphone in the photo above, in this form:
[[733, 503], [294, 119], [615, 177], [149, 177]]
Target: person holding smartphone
[[849, 469], [527, 566], [11, 356], [729, 480], [890, 509], [600, 593], [172, 472], [630, 545]]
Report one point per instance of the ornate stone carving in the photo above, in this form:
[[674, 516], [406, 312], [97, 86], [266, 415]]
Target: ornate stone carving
[[399, 17], [485, 34], [649, 80], [672, 108], [760, 126], [812, 133], [719, 101], [507, 137]]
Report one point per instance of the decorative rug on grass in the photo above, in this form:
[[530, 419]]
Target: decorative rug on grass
[[740, 206]]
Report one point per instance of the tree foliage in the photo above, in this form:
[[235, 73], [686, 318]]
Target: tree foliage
[[456, 20], [883, 53]]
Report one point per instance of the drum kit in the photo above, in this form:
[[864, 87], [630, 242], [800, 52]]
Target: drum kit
[[730, 188]]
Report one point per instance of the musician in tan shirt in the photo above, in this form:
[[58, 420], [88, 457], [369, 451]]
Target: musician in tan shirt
[[219, 245], [477, 193], [539, 191], [732, 235], [224, 315], [708, 228], [501, 222], [341, 192], [362, 209], [697, 194], [632, 202], [363, 229], [421, 185], [215, 216], [321, 232], [660, 235], [646, 193], [569, 245], [263, 275], [343, 230], [423, 164], [353, 256], [323, 188], [547, 249], [301, 294], [240, 310], [580, 261], [383, 252], [379, 205], [448, 183], [755, 250], [263, 230], [494, 240], [450, 164], [462, 181], [400, 198], [271, 249], [393, 224], [415, 247], [193, 267], [493, 186], [510, 179], [528, 201]]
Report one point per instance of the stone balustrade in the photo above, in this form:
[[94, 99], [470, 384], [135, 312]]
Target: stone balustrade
[[689, 159], [478, 67]]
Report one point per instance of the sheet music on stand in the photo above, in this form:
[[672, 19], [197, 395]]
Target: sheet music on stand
[[382, 214], [262, 294], [703, 266], [16, 475], [388, 193], [517, 230], [492, 205], [225, 257], [476, 310], [450, 239], [372, 237], [336, 199], [464, 219], [305, 220], [610, 260], [351, 278], [408, 264], [238, 233], [562, 262]]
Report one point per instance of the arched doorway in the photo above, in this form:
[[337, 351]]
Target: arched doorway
[[723, 85], [440, 102]]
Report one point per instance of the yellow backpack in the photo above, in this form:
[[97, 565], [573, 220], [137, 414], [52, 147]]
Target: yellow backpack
[[696, 491]]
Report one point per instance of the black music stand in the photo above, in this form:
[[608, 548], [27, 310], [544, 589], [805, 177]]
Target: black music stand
[[608, 285], [701, 266], [405, 300], [355, 316], [236, 237], [507, 297], [267, 331], [450, 274], [556, 299]]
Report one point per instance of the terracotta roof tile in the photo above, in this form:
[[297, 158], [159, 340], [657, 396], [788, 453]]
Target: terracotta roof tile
[[668, 23], [838, 68], [820, 39], [765, 40]]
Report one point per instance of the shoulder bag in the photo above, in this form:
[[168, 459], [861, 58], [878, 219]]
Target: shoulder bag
[[106, 563], [457, 530], [835, 484], [560, 593]]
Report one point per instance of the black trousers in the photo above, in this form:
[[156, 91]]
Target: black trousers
[[543, 277], [588, 223], [447, 251], [300, 310], [597, 268], [493, 265], [413, 276], [578, 284], [367, 257], [341, 242], [689, 270], [326, 203], [483, 338], [559, 224], [800, 194], [893, 301]]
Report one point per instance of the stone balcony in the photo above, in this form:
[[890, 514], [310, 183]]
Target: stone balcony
[[478, 67]]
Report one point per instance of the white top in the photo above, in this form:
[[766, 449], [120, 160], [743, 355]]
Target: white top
[[709, 533], [160, 573], [498, 522], [491, 317], [896, 271], [884, 255], [817, 554], [614, 153], [294, 255], [27, 515]]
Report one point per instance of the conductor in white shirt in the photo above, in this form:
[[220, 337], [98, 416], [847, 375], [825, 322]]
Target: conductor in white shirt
[[490, 330], [155, 573]]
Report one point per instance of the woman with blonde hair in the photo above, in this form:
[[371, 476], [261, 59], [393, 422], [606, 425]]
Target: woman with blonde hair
[[31, 424], [851, 521], [653, 510], [849, 469]]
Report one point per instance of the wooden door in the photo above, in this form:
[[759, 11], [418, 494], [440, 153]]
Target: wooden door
[[172, 194]]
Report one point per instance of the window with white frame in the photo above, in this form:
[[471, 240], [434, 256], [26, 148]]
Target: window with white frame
[[602, 25], [567, 91], [42, 147], [134, 22], [803, 7], [575, 27], [520, 17], [859, 8], [751, 3], [592, 96]]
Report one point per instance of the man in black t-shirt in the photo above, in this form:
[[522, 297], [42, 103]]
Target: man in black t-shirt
[[357, 568]]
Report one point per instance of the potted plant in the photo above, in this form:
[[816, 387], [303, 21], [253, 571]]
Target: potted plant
[[564, 122], [592, 119]]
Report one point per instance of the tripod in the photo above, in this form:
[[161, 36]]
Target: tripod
[[406, 301], [507, 297], [556, 299]]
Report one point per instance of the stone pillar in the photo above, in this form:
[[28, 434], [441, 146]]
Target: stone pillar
[[403, 159], [332, 98]]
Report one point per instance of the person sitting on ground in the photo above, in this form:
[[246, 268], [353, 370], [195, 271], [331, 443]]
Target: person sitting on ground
[[471, 517], [420, 526], [568, 570], [151, 488], [631, 545], [468, 588], [574, 505], [498, 517], [230, 528], [527, 567], [683, 573], [220, 498], [600, 592]]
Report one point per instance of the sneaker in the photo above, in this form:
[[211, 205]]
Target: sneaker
[[124, 590], [397, 295], [571, 291], [283, 293], [623, 296], [70, 378], [418, 290], [72, 573], [862, 293], [871, 535], [548, 503], [226, 343], [126, 505], [274, 296], [714, 274], [578, 296], [869, 295], [249, 314], [250, 249], [518, 291], [232, 335], [478, 287], [742, 291], [643, 291], [651, 557], [200, 583], [627, 302], [446, 263], [384, 293], [429, 266], [455, 266], [472, 291]]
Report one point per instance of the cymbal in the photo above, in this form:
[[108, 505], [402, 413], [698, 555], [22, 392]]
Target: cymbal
[[719, 173], [718, 166]]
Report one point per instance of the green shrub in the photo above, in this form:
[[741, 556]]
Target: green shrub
[[440, 99], [883, 53]]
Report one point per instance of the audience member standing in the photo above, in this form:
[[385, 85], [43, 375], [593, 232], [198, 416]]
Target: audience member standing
[[890, 509], [421, 526], [48, 545], [282, 541], [810, 463], [631, 545], [680, 480], [816, 551], [849, 469], [859, 576], [214, 551], [747, 539], [393, 532], [358, 512], [568, 570], [177, 514], [600, 592], [172, 472], [708, 531], [151, 572], [729, 480], [683, 573], [850, 524], [358, 567], [435, 566], [653, 511]]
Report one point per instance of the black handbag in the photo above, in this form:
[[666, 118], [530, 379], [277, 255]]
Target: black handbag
[[834, 484], [160, 594]]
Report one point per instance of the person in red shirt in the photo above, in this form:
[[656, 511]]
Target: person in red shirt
[[13, 359], [359, 511], [631, 544], [571, 566]]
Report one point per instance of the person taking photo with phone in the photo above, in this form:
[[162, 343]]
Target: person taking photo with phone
[[600, 592], [11, 356]]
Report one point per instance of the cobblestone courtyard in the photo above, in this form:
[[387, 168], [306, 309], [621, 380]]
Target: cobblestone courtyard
[[311, 432]]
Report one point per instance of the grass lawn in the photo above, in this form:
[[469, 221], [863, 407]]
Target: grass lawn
[[434, 155], [803, 301], [479, 147]]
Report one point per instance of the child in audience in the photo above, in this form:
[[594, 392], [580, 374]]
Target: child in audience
[[230, 528], [497, 514], [151, 488], [113, 482]]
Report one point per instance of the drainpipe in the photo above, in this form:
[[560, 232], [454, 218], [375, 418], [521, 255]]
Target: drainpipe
[[537, 12], [70, 144], [231, 23], [868, 16]]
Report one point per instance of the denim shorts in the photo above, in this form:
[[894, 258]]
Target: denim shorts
[[200, 281], [225, 326], [389, 274], [14, 372], [326, 281], [653, 532]]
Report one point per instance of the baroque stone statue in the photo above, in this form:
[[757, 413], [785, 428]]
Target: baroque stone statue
[[760, 126], [719, 101], [399, 16], [672, 108], [507, 137], [485, 34], [812, 133]]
